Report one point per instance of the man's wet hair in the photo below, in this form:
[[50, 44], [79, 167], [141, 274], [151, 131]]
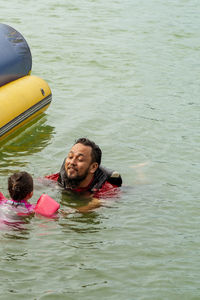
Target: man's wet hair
[[20, 185], [96, 151]]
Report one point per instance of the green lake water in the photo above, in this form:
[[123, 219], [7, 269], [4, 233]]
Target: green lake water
[[125, 74]]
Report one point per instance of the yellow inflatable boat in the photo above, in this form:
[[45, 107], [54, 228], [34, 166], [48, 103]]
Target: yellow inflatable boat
[[21, 101], [22, 96]]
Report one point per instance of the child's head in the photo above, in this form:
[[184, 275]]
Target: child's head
[[20, 185]]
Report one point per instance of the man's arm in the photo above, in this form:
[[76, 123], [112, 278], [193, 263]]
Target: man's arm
[[108, 191], [94, 203]]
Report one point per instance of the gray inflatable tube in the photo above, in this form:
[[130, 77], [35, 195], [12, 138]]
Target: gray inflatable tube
[[15, 55]]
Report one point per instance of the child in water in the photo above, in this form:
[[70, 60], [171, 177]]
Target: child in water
[[20, 187]]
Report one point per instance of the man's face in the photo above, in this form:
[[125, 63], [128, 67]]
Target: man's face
[[78, 163]]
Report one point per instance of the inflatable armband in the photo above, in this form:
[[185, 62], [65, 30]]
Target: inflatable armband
[[46, 206], [2, 197]]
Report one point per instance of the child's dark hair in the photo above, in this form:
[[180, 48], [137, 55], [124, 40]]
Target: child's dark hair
[[20, 185]]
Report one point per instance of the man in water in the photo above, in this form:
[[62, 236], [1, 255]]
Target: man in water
[[81, 172]]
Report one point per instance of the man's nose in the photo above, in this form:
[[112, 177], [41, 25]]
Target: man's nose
[[73, 161]]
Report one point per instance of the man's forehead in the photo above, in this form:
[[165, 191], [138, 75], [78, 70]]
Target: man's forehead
[[81, 149]]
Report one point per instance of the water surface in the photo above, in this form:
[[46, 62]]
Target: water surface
[[125, 74]]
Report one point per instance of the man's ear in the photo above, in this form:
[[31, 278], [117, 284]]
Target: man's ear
[[94, 166]]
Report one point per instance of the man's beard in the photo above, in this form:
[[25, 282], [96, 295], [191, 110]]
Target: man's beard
[[73, 183]]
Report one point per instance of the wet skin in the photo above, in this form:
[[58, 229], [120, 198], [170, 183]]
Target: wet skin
[[79, 164]]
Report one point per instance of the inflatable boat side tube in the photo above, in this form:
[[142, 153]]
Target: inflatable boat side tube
[[21, 101]]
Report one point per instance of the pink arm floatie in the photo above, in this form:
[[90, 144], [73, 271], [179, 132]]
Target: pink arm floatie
[[46, 206], [2, 197]]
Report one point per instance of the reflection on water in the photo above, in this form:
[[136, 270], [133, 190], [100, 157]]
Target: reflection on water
[[30, 139], [71, 199], [15, 230], [16, 235], [80, 223], [14, 256], [12, 224]]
